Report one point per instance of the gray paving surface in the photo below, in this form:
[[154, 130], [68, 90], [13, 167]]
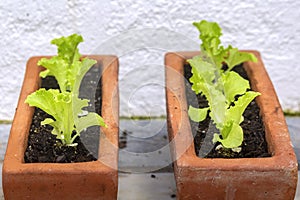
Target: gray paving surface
[[294, 129], [4, 133], [144, 146], [150, 186], [144, 160]]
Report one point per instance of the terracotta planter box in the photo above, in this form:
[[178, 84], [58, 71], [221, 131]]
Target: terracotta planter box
[[273, 177], [86, 180]]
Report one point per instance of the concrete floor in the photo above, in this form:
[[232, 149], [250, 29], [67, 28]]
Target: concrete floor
[[144, 159], [294, 129]]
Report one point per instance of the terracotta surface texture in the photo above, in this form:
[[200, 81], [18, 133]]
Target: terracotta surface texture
[[86, 180], [273, 177]]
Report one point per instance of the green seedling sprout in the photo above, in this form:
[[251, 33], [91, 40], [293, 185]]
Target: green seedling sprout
[[220, 87], [64, 104]]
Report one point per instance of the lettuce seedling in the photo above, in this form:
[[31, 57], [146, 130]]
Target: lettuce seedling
[[63, 104], [220, 86]]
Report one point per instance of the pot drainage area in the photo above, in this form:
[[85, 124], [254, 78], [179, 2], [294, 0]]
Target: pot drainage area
[[145, 165]]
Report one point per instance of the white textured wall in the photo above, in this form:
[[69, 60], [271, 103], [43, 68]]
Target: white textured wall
[[127, 28]]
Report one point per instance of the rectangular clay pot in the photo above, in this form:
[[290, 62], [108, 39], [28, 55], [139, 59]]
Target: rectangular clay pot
[[272, 177], [86, 180]]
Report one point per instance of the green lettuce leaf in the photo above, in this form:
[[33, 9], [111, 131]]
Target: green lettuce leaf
[[52, 69], [79, 71], [66, 66], [235, 113], [91, 119], [197, 114], [58, 105], [67, 47], [235, 57], [232, 135], [234, 85], [210, 33]]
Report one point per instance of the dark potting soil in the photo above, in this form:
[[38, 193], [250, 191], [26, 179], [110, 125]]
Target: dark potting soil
[[43, 147], [254, 144]]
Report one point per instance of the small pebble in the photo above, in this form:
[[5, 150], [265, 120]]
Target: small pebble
[[60, 158]]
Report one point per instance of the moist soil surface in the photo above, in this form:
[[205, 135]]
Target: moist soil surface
[[43, 147], [254, 144]]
